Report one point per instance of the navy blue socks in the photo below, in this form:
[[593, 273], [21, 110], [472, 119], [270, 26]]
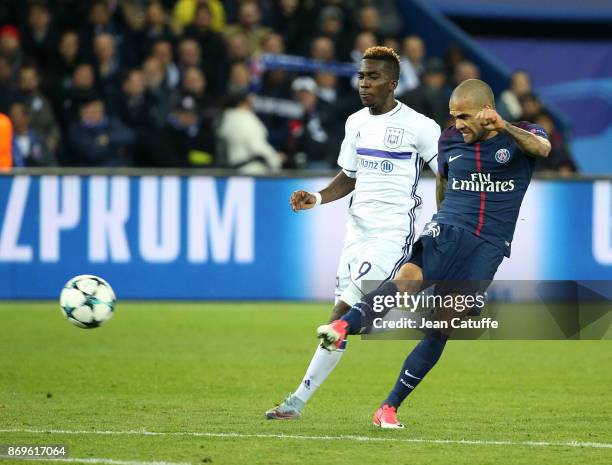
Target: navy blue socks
[[418, 363], [363, 313]]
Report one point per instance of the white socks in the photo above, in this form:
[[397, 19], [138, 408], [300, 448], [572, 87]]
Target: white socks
[[322, 364]]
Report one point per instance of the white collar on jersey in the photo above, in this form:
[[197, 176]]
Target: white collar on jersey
[[395, 108]]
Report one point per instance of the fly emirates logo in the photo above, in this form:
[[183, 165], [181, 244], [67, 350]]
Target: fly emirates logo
[[482, 182]]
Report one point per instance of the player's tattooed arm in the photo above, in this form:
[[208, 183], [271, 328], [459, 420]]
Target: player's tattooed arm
[[529, 143], [440, 189], [339, 187]]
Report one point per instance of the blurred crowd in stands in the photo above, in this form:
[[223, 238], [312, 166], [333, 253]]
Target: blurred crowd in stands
[[180, 83]]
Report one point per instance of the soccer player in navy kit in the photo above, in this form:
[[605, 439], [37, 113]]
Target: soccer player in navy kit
[[485, 166]]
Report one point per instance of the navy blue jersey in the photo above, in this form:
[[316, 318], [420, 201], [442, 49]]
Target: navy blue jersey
[[487, 181]]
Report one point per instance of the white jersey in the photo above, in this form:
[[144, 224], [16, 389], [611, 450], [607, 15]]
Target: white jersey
[[386, 153]]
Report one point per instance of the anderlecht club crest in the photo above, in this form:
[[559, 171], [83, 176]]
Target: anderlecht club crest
[[393, 137]]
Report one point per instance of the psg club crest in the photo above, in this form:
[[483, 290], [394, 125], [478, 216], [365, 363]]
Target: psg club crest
[[502, 156], [393, 137]]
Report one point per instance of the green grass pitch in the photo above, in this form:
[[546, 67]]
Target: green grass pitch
[[204, 373]]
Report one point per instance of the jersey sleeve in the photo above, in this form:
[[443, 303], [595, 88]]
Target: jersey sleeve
[[441, 159], [532, 128], [433, 164], [427, 142], [347, 160]]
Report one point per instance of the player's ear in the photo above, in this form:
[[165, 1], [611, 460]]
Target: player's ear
[[394, 83]]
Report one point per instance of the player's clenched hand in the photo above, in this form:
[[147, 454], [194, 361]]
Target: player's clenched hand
[[302, 200], [490, 120]]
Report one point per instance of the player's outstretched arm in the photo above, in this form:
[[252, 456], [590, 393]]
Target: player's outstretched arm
[[529, 143], [339, 187]]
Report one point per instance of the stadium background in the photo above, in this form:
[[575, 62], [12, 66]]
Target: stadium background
[[166, 184], [150, 193]]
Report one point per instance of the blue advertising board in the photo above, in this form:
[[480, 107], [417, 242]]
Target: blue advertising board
[[197, 237]]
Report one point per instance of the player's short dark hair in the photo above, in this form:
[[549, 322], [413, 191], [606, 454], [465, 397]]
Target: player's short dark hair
[[387, 55], [479, 92]]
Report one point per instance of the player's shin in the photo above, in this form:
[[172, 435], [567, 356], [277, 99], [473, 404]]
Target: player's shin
[[418, 363], [322, 364], [371, 306]]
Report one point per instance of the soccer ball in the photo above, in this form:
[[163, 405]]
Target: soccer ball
[[87, 301]]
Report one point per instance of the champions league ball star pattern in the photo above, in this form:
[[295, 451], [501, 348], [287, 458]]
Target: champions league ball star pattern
[[87, 301]]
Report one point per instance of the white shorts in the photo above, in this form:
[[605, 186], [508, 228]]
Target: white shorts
[[369, 259]]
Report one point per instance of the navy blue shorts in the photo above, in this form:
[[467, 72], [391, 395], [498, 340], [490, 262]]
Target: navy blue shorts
[[450, 253]]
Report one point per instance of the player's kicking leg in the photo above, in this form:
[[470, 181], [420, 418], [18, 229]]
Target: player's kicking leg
[[322, 364], [360, 316], [473, 263], [468, 266]]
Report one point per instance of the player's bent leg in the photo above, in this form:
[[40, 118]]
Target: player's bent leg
[[409, 278], [361, 316]]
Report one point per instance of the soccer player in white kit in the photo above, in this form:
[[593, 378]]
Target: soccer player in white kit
[[382, 155]]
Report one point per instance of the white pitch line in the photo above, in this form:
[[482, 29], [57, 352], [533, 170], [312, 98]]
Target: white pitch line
[[593, 445], [96, 460]]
